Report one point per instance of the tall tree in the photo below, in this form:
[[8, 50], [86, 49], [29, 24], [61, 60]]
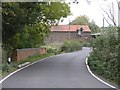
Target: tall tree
[[25, 24], [84, 20], [81, 20], [94, 28]]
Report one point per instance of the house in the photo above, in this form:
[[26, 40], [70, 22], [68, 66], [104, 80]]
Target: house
[[61, 33]]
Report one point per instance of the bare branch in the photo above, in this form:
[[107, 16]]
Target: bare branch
[[106, 19], [118, 4], [112, 17], [109, 14]]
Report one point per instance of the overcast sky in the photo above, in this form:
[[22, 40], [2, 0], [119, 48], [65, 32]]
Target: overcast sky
[[92, 10]]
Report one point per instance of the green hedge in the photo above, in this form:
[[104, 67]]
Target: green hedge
[[50, 50], [71, 45], [104, 58]]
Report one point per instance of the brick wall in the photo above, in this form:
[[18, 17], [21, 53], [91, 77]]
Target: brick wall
[[21, 54], [62, 36]]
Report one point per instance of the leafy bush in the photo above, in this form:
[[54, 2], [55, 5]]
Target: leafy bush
[[50, 50], [5, 67], [87, 45], [70, 46], [9, 67], [119, 56], [103, 59]]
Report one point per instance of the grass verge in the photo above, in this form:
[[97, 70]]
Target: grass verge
[[14, 65]]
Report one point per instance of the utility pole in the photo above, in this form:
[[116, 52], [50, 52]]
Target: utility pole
[[69, 28], [103, 22], [75, 2], [119, 13]]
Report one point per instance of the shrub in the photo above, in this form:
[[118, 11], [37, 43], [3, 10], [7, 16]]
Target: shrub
[[50, 50], [87, 45], [103, 59], [71, 45], [5, 67]]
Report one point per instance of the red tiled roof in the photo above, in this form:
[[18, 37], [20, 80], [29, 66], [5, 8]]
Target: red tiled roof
[[73, 28]]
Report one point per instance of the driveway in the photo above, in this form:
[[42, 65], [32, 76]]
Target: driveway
[[61, 71]]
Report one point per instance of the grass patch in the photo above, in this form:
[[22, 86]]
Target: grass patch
[[7, 69], [54, 45], [35, 58]]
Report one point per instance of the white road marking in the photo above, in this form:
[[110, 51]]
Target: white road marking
[[27, 66], [96, 76], [54, 56]]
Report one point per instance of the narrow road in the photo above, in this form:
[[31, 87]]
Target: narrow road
[[62, 71]]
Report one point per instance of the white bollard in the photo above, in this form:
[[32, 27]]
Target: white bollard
[[9, 60]]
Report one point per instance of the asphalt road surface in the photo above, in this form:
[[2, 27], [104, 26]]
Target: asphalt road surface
[[62, 71]]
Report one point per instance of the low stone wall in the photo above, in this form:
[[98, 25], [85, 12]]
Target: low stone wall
[[21, 54]]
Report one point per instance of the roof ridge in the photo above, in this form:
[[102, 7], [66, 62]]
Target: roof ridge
[[72, 28], [70, 25]]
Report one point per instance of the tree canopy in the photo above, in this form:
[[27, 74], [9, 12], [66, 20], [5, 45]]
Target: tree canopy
[[84, 20], [81, 20], [25, 24]]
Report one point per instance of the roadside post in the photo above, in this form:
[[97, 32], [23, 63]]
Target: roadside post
[[9, 60]]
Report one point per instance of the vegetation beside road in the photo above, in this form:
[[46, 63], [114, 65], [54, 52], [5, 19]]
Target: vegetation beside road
[[67, 46], [72, 45], [104, 58], [84, 20], [8, 68], [27, 24]]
